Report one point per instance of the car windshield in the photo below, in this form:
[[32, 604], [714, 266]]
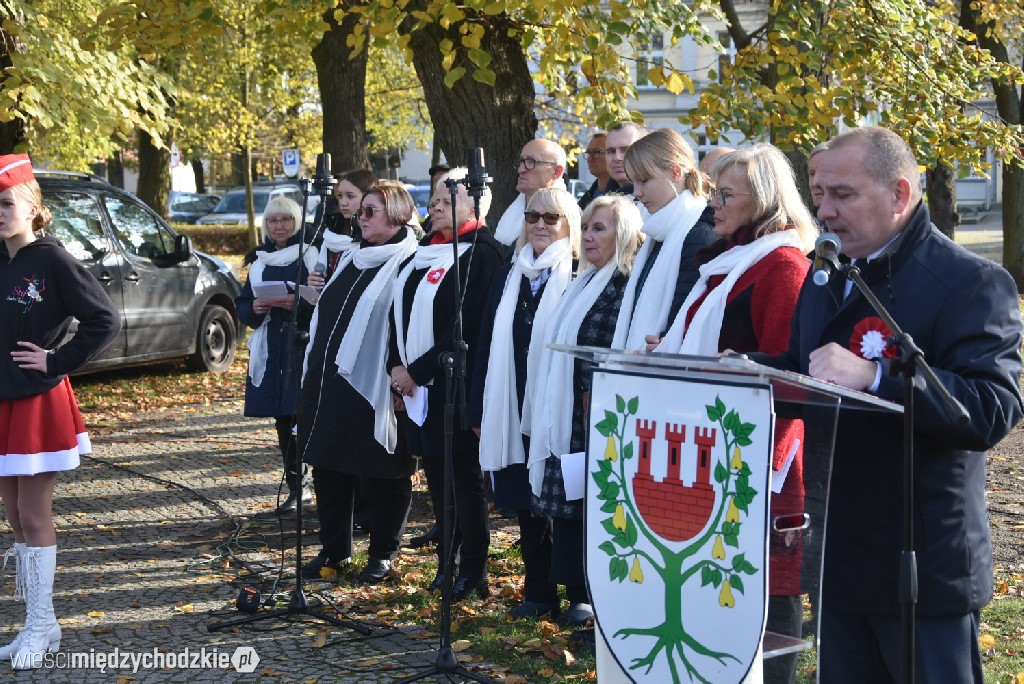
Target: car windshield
[[234, 203]]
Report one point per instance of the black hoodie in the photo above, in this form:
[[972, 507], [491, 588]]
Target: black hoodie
[[41, 289]]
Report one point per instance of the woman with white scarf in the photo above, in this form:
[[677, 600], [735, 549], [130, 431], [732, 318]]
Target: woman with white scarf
[[516, 321], [423, 325], [269, 390], [341, 229], [348, 430], [667, 182], [554, 413], [748, 288]]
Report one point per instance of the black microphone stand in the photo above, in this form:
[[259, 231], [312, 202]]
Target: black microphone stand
[[454, 364], [911, 360], [297, 340]]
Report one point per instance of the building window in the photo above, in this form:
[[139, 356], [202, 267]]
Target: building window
[[650, 53]]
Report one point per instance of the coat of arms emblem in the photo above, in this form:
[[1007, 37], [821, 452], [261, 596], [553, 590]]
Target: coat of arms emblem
[[677, 506]]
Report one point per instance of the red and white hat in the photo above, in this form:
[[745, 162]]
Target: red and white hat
[[15, 169]]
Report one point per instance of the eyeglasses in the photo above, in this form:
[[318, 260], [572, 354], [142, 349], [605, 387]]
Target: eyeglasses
[[280, 220], [369, 211], [594, 153], [723, 198], [549, 218], [530, 163]]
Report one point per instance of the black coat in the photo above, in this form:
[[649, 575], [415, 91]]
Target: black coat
[[336, 422], [962, 311], [511, 484], [276, 394]]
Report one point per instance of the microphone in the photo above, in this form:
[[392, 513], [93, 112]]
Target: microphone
[[826, 251], [323, 180], [476, 176], [320, 268]]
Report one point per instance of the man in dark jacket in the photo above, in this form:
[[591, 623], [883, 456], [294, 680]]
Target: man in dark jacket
[[598, 167], [962, 311]]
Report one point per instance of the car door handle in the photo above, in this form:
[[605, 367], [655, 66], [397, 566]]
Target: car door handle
[[104, 277], [132, 277]]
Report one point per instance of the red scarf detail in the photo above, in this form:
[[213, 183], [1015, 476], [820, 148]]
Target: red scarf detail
[[469, 226]]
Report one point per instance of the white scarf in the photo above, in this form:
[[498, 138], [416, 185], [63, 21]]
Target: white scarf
[[258, 349], [669, 225], [547, 410], [511, 224], [437, 260], [702, 337], [501, 442], [337, 243]]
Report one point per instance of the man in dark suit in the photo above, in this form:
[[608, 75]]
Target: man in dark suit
[[962, 311]]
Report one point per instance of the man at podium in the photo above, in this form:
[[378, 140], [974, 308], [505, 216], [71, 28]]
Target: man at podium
[[962, 311]]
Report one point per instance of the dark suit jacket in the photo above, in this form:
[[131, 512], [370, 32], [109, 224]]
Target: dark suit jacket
[[962, 312]]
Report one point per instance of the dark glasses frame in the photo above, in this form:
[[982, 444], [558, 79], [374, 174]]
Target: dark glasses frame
[[550, 218]]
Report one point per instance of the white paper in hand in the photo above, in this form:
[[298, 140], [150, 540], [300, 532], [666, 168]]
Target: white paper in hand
[[416, 405], [270, 289], [574, 475]]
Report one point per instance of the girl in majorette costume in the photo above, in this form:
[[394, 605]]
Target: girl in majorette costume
[[41, 432]]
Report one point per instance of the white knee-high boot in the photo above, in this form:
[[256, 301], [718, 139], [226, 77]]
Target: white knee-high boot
[[17, 552], [42, 633]]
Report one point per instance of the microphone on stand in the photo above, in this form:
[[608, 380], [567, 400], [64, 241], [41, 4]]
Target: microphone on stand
[[826, 261], [323, 181], [476, 176]]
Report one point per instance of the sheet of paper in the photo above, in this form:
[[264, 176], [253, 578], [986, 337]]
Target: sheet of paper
[[270, 289], [416, 405], [779, 478], [574, 475], [309, 294]]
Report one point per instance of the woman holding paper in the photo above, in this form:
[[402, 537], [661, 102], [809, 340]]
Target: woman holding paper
[[269, 390], [423, 325], [516, 322], [744, 299], [554, 413], [348, 429]]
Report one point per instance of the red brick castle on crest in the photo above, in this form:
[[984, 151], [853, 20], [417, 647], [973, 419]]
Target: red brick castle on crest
[[672, 509]]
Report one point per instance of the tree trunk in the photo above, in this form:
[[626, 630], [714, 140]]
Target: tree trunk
[[12, 133], [199, 173], [154, 174], [941, 183], [472, 114], [1010, 105], [798, 160], [115, 169], [342, 84]]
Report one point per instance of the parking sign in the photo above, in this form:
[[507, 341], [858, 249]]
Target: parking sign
[[290, 159]]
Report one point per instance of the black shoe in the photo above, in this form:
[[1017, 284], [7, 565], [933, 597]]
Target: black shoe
[[290, 504], [430, 537], [535, 609], [376, 570], [465, 586], [437, 583], [311, 570], [579, 614]]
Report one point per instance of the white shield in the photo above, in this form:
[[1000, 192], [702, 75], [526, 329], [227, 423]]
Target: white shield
[[677, 501]]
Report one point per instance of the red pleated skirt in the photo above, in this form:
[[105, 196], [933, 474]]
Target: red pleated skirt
[[42, 434]]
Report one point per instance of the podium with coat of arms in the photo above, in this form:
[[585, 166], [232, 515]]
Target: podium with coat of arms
[[683, 546]]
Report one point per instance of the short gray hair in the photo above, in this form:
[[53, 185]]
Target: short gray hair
[[887, 156], [282, 205], [459, 173]]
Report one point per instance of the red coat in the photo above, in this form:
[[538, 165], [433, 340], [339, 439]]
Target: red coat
[[757, 319]]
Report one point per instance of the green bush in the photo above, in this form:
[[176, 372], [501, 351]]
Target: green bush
[[217, 238]]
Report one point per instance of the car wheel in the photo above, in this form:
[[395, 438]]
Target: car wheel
[[215, 341]]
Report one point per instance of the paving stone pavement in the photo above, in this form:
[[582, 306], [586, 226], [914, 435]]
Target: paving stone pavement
[[138, 525]]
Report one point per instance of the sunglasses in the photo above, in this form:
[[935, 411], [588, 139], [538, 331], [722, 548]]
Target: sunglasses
[[368, 212], [549, 218]]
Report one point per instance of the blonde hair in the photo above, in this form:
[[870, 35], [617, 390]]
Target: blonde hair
[[777, 202], [282, 205], [627, 222], [557, 201], [656, 153], [398, 203], [31, 193]]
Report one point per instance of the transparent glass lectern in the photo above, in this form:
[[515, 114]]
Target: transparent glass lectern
[[794, 396]]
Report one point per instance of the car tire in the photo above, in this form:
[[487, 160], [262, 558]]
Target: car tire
[[215, 341]]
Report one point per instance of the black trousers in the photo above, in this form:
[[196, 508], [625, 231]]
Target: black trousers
[[535, 544], [287, 444], [388, 499], [568, 558], [471, 535]]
